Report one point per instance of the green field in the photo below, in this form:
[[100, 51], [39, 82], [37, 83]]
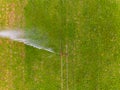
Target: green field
[[84, 34]]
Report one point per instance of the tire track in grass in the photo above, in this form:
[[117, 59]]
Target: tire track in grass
[[61, 60], [67, 67]]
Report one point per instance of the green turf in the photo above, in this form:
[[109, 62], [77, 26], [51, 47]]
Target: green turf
[[85, 35]]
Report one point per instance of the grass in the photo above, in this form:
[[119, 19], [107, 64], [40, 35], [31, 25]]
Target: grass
[[85, 34]]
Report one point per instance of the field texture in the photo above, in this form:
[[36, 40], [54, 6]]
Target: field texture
[[85, 37]]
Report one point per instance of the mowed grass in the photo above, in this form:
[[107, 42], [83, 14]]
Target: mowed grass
[[85, 36], [12, 53]]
